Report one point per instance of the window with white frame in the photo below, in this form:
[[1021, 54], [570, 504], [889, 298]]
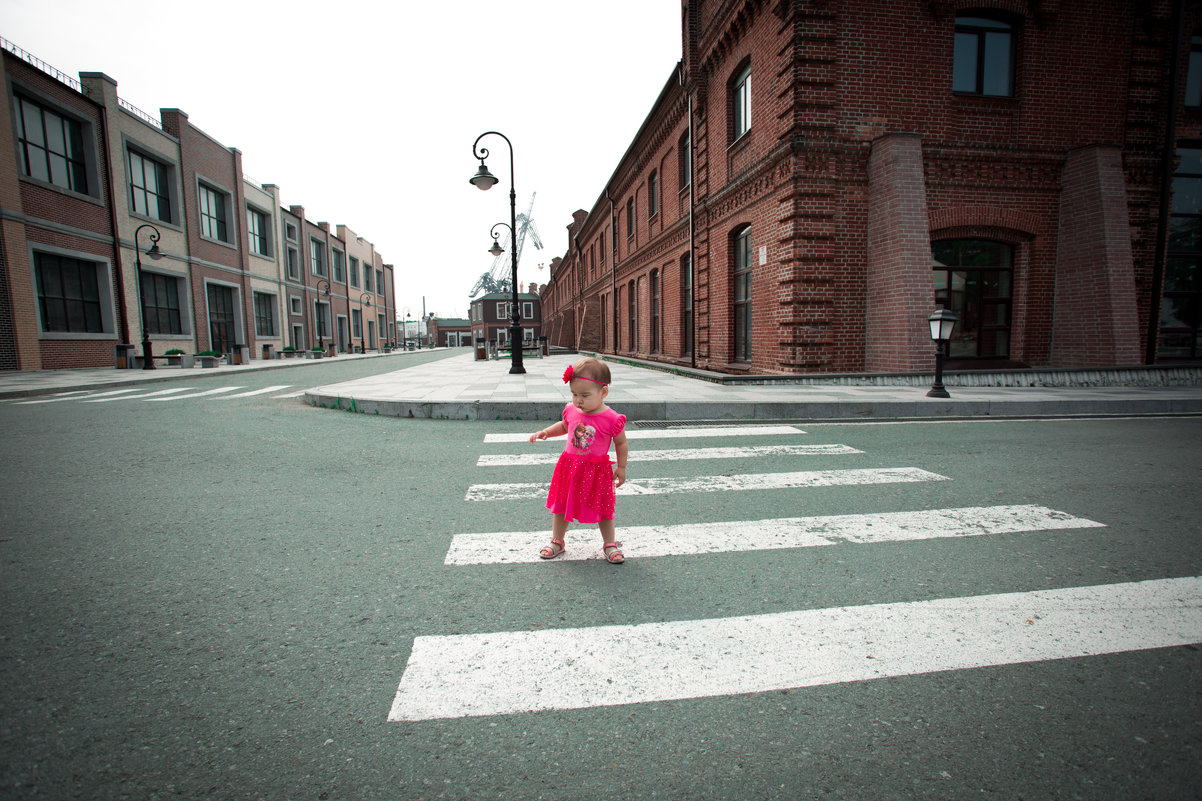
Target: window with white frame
[[51, 146], [294, 306], [293, 264], [161, 303], [528, 310], [150, 182], [264, 314], [337, 259], [73, 295], [258, 229], [317, 257], [353, 272], [740, 103], [367, 285], [214, 208]]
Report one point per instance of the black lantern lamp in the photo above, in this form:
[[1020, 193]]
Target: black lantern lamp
[[942, 323], [485, 180]]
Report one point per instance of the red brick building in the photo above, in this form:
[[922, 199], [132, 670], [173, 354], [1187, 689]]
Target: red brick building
[[817, 176], [91, 184]]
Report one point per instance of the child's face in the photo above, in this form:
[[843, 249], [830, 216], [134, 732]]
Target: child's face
[[588, 396]]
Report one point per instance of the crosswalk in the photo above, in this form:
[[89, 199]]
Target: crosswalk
[[512, 672], [163, 395]]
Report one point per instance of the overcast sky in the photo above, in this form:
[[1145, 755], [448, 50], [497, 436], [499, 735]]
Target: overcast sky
[[365, 111]]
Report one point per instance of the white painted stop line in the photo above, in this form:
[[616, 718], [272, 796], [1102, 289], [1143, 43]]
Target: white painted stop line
[[515, 547], [673, 433], [712, 483], [527, 671], [677, 454]]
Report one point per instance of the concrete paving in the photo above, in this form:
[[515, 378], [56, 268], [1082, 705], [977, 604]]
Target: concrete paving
[[461, 388]]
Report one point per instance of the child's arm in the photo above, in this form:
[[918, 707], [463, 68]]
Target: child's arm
[[621, 450], [557, 430]]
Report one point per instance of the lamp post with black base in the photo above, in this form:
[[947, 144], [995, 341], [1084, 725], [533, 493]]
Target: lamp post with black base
[[942, 323], [156, 254], [484, 180]]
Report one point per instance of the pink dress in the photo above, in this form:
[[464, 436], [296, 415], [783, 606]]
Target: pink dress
[[582, 487]]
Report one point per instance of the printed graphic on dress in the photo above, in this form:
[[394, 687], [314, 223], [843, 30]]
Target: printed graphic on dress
[[583, 436]]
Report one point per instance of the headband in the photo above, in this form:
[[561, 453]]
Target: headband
[[569, 374]]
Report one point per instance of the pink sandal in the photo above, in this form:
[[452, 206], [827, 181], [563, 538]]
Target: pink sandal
[[615, 556], [550, 552]]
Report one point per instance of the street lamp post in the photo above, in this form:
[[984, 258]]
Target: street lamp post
[[363, 321], [156, 254], [321, 343], [484, 180], [942, 323]]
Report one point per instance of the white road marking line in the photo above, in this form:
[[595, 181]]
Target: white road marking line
[[263, 391], [77, 397], [672, 433], [171, 391], [524, 459], [712, 483], [526, 671], [204, 394], [512, 547], [289, 395]]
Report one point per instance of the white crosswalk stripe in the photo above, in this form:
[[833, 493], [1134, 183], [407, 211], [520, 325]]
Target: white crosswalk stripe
[[205, 394], [677, 454], [254, 392], [527, 671], [755, 535], [59, 398], [508, 672], [158, 393], [751, 481], [674, 433]]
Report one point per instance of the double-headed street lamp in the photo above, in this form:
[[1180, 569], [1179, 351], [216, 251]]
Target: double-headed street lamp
[[156, 254], [363, 321], [321, 343], [484, 180]]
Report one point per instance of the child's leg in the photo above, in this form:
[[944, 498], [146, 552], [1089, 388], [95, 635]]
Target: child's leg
[[609, 538], [559, 528]]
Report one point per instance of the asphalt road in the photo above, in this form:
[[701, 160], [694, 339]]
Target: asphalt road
[[218, 597]]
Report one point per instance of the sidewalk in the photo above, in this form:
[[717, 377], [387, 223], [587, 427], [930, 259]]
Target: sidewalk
[[460, 388], [28, 383]]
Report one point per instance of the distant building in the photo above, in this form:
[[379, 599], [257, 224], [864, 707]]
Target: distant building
[[449, 332], [490, 317]]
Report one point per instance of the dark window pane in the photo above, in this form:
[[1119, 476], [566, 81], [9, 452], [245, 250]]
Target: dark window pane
[[1191, 161], [1187, 195], [997, 65], [1181, 275], [1185, 233]]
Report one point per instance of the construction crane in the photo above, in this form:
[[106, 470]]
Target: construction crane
[[497, 279]]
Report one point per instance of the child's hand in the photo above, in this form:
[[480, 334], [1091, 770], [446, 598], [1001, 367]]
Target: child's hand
[[619, 476], [537, 436]]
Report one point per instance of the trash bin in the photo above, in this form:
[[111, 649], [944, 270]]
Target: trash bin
[[123, 358], [332, 350], [268, 351], [542, 346], [481, 350]]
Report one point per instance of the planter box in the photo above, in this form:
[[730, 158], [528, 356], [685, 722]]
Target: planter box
[[187, 360], [208, 361], [173, 359], [290, 354], [314, 354]]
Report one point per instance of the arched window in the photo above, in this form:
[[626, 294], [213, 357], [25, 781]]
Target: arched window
[[741, 274], [975, 278]]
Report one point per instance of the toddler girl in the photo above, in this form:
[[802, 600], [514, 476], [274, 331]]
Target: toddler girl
[[582, 487]]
